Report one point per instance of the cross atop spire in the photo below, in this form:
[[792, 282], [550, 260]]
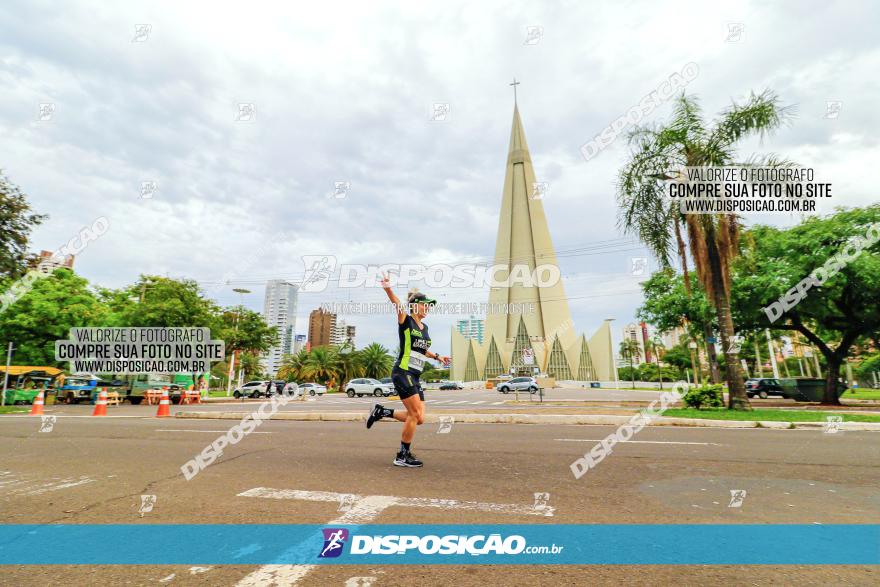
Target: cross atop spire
[[514, 84]]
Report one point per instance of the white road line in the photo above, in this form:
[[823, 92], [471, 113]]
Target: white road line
[[55, 486], [464, 401], [638, 441], [366, 508], [479, 402], [497, 403], [211, 431], [422, 502]]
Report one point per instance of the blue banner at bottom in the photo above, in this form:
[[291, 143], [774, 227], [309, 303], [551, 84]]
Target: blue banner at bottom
[[533, 544]]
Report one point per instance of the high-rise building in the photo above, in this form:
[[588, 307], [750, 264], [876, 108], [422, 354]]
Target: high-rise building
[[47, 263], [536, 333], [471, 328], [674, 337], [279, 310], [322, 328], [633, 332]]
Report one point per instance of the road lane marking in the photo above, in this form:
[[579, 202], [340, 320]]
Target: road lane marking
[[365, 509], [638, 441], [479, 402]]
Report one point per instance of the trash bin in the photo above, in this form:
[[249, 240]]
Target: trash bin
[[807, 389]]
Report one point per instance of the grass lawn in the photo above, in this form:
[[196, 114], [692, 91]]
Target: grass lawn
[[770, 415], [14, 409], [862, 394]]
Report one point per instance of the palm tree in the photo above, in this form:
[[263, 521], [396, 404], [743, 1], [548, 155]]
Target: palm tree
[[376, 361], [629, 349], [656, 347], [292, 366], [348, 363], [713, 238], [322, 365]]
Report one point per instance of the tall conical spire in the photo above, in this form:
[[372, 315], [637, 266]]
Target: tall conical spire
[[523, 244]]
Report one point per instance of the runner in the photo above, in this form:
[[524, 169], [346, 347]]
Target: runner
[[414, 343]]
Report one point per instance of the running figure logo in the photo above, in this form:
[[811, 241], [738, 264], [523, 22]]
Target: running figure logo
[[334, 541], [318, 270]]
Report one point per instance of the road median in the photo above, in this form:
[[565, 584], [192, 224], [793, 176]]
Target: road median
[[552, 419]]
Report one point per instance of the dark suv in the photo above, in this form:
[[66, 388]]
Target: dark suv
[[763, 387]]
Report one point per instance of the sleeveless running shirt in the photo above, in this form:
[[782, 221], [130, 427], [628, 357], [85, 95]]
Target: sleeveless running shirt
[[414, 343]]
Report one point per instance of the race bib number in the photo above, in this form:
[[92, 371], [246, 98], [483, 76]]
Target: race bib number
[[416, 361]]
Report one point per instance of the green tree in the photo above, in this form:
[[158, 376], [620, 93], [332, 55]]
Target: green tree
[[163, 302], [46, 313], [833, 316], [670, 304], [687, 141], [349, 363], [629, 349], [16, 223], [322, 365], [293, 366], [376, 361]]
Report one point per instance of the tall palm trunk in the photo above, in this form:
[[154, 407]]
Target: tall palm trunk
[[714, 372], [737, 398]]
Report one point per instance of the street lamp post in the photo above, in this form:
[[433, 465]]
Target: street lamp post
[[611, 348], [6, 374]]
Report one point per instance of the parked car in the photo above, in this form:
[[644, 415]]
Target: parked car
[[763, 388], [451, 385], [529, 384], [367, 386], [312, 388], [76, 389], [387, 380], [251, 389]]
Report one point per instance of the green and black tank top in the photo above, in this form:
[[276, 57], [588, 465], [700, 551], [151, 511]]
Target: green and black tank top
[[414, 343]]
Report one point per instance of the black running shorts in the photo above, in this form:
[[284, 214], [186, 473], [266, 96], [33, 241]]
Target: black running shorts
[[406, 384]]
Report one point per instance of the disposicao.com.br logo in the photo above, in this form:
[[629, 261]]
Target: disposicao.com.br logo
[[393, 544]]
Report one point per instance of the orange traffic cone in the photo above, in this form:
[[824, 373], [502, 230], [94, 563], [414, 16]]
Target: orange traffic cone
[[37, 408], [164, 405], [101, 404]]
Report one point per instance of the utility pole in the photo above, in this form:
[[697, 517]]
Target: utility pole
[[6, 374]]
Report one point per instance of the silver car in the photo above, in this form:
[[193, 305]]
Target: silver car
[[529, 384], [367, 386]]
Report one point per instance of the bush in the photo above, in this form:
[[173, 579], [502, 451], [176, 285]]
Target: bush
[[707, 396]]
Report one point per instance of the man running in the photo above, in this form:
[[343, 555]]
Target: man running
[[414, 342]]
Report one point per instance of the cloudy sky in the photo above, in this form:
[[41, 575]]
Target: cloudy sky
[[343, 92]]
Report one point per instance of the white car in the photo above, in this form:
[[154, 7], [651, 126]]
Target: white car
[[529, 384], [312, 388], [251, 389], [367, 386]]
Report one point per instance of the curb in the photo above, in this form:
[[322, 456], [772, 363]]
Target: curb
[[558, 419]]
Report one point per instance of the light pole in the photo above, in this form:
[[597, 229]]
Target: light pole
[[6, 374], [611, 349]]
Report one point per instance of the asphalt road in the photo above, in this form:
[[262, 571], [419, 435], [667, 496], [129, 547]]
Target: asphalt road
[[91, 470]]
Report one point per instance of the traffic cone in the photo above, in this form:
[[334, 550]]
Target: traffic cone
[[37, 408], [101, 404], [164, 405]]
